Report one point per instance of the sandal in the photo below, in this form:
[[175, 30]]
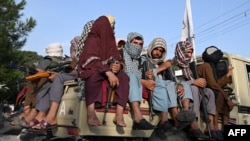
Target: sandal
[[43, 126], [34, 122]]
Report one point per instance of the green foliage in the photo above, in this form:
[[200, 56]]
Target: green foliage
[[13, 30], [13, 36]]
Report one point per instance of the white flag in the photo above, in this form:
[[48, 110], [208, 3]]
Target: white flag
[[187, 33]]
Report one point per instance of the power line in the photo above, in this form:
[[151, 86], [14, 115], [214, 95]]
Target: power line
[[205, 34], [226, 13], [229, 24], [227, 21], [229, 29]]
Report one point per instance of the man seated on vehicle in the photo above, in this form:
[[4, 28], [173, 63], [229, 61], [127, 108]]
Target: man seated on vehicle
[[168, 90], [131, 54], [181, 63], [211, 56], [47, 69], [57, 87], [96, 65]]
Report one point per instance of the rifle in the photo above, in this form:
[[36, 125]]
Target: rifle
[[26, 70], [203, 101], [61, 66], [146, 67], [34, 74], [110, 91], [173, 78], [108, 104]]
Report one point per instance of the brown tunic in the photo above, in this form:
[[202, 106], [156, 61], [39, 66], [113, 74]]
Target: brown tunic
[[205, 71]]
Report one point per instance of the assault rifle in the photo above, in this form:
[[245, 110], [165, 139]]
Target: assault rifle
[[146, 67], [61, 66], [26, 70], [110, 95], [33, 74], [173, 78]]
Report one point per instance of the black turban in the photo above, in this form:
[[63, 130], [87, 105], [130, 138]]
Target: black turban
[[212, 54]]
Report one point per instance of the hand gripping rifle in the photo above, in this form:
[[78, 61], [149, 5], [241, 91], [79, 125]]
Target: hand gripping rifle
[[203, 101], [173, 78]]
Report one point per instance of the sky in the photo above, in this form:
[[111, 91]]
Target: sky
[[221, 23]]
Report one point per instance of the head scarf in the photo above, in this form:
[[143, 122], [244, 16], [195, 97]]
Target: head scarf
[[157, 42], [133, 50], [212, 54], [181, 58], [73, 46], [111, 20], [99, 47], [131, 54]]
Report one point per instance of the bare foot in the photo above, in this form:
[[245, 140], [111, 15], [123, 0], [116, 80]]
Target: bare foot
[[119, 122], [93, 121], [50, 121]]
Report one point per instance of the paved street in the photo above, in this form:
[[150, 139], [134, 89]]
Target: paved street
[[8, 133], [9, 138]]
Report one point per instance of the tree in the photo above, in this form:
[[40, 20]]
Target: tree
[[13, 33], [15, 72]]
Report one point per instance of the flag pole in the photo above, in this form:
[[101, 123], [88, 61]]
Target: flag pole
[[187, 34]]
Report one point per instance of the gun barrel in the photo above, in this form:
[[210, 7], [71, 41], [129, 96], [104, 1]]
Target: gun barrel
[[58, 66]]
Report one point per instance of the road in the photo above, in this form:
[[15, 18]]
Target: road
[[10, 134], [9, 138]]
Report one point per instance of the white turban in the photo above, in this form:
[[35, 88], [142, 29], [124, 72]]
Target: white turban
[[54, 49]]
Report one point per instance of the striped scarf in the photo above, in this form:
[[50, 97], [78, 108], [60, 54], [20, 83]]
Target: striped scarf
[[86, 29], [182, 60], [131, 55], [73, 47], [157, 42]]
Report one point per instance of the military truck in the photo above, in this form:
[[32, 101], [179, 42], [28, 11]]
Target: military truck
[[72, 116]]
